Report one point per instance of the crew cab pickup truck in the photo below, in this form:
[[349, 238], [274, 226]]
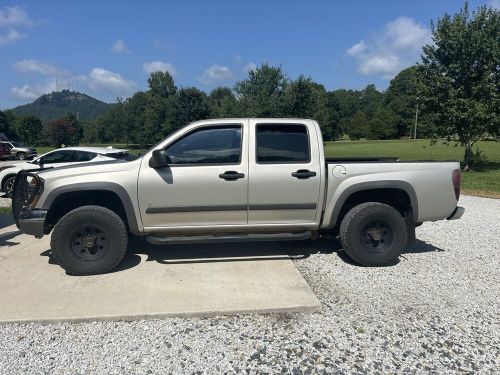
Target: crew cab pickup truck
[[234, 180]]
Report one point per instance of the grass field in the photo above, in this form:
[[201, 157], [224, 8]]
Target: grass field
[[483, 182]]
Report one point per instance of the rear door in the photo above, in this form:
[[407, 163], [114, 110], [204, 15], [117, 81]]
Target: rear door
[[285, 173]]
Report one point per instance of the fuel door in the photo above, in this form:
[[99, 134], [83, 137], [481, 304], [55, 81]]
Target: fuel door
[[339, 172]]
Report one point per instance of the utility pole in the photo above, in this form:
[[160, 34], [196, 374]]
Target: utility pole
[[416, 121]]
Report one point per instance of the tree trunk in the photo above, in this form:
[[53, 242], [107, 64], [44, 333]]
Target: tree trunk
[[468, 156]]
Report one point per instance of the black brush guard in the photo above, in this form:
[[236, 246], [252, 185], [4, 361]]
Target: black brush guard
[[24, 192]]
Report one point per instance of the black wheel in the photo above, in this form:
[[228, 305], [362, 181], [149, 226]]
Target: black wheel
[[21, 156], [373, 234], [89, 240], [8, 186]]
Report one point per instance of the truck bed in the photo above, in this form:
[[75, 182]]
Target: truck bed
[[362, 159]]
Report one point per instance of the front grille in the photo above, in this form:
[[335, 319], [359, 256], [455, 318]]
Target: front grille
[[26, 187]]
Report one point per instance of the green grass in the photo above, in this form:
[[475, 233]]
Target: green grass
[[485, 181], [5, 210]]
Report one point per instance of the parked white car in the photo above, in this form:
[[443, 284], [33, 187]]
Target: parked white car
[[58, 158]]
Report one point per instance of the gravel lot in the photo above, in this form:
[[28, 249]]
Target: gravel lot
[[435, 311], [5, 202]]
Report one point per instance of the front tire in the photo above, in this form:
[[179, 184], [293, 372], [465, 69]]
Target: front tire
[[373, 234], [21, 156], [89, 240]]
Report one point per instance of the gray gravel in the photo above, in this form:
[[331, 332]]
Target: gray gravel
[[435, 311], [5, 202]]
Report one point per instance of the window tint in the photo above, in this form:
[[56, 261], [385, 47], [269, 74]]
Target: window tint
[[63, 156], [85, 156], [5, 144], [282, 143], [210, 145]]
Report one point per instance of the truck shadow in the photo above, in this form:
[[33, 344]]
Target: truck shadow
[[239, 252], [244, 251]]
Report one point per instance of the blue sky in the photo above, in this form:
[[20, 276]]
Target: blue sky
[[107, 48]]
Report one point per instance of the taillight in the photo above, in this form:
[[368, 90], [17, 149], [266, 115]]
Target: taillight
[[456, 178]]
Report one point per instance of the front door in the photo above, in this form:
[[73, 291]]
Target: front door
[[205, 183]]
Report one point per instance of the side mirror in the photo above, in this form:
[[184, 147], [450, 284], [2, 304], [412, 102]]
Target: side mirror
[[159, 159]]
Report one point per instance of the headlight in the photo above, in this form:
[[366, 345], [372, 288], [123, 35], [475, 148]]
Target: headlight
[[7, 166]]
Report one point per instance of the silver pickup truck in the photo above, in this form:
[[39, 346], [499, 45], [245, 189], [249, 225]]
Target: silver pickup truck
[[233, 180]]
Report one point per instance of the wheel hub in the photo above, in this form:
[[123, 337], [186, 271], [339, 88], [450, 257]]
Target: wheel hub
[[376, 236], [89, 242]]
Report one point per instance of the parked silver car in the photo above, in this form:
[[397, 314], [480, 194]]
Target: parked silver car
[[18, 150]]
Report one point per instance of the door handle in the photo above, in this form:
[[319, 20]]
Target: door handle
[[231, 175], [303, 174]]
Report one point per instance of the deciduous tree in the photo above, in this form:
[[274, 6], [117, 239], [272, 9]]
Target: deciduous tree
[[460, 73]]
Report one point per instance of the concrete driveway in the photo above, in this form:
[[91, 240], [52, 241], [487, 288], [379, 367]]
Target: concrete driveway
[[151, 282]]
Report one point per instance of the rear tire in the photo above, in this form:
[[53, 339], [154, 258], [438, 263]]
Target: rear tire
[[373, 234], [89, 240], [21, 155]]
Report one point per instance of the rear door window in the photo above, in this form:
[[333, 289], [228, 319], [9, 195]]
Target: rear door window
[[279, 143], [85, 156]]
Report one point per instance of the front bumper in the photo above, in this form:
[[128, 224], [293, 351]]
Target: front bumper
[[32, 222], [457, 213]]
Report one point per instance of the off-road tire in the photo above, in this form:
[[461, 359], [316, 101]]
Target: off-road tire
[[113, 231], [360, 245]]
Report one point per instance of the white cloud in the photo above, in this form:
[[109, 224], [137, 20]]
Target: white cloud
[[11, 36], [215, 73], [404, 33], [36, 66], [388, 52], [12, 19], [104, 80], [14, 16], [357, 49], [158, 66], [385, 65], [119, 47], [33, 91], [249, 67]]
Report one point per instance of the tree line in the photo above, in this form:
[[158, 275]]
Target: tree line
[[149, 116], [455, 88]]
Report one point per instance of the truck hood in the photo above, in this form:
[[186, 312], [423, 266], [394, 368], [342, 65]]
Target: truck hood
[[107, 166]]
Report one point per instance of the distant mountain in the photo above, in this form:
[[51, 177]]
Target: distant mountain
[[54, 105]]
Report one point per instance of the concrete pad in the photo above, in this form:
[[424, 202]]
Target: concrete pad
[[175, 280]]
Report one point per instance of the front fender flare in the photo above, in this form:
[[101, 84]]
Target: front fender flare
[[100, 186]]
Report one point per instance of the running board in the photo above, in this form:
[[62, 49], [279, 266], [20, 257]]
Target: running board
[[163, 240]]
